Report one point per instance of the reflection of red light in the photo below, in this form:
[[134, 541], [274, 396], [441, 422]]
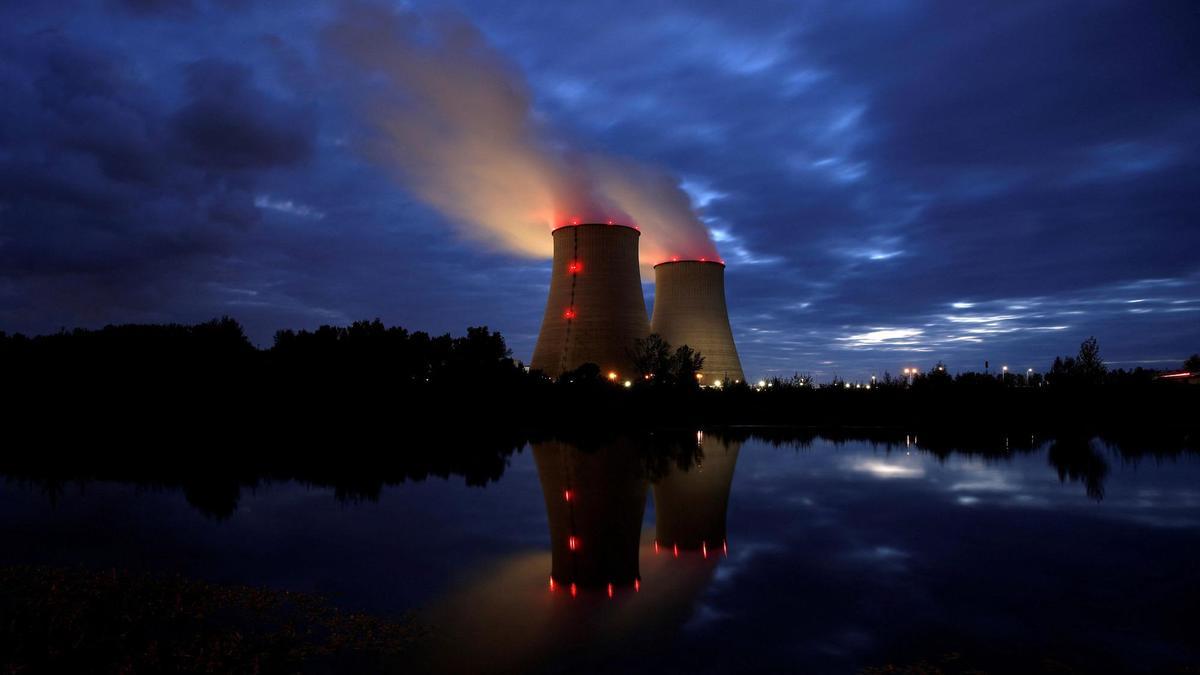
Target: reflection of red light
[[655, 547], [570, 313], [572, 542], [566, 495], [704, 548], [637, 585], [551, 583], [573, 590], [575, 267], [610, 590], [725, 547], [676, 550]]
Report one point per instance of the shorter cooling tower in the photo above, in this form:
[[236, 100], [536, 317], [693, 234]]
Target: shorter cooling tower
[[595, 309], [594, 504], [690, 505], [689, 309]]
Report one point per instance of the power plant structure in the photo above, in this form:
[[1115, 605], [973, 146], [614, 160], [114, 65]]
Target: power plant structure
[[595, 309], [690, 504], [594, 505], [689, 309]]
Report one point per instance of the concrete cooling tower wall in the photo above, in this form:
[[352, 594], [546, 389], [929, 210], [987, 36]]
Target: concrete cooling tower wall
[[690, 506], [594, 504], [595, 309], [689, 308]]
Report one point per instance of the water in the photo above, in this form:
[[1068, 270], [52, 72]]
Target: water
[[817, 556]]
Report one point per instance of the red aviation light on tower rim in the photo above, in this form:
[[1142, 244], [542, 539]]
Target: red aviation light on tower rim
[[607, 223], [677, 259]]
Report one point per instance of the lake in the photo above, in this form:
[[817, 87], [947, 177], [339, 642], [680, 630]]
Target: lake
[[741, 552]]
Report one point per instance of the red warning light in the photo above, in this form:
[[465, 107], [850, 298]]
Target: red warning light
[[570, 313], [610, 591], [676, 550], [704, 548], [566, 495], [574, 267], [574, 590], [725, 547], [552, 584], [637, 585], [655, 547], [572, 542], [674, 258]]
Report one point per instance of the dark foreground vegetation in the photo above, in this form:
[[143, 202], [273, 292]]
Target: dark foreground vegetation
[[76, 621], [207, 383]]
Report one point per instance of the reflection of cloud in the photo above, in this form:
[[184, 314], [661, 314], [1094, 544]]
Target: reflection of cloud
[[882, 469]]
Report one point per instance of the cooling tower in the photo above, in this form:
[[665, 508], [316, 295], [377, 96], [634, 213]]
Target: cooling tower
[[689, 309], [596, 309], [594, 504], [690, 505]]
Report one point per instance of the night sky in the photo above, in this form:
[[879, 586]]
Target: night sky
[[891, 183]]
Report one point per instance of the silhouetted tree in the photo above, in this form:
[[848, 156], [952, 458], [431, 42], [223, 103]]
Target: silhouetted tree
[[651, 356], [1192, 364]]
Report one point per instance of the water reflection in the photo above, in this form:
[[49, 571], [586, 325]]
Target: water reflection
[[614, 579]]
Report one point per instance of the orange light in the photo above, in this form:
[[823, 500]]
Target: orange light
[[612, 376]]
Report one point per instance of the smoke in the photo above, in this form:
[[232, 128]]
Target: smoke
[[455, 122]]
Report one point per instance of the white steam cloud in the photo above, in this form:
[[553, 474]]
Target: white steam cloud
[[455, 122]]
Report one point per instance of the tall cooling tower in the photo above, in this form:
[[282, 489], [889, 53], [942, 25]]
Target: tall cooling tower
[[596, 309], [594, 504], [689, 309]]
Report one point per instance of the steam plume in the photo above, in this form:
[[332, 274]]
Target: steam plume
[[455, 121]]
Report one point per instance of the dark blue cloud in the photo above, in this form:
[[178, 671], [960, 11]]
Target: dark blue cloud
[[891, 183]]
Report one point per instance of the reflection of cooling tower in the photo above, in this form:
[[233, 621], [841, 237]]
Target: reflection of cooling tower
[[596, 309], [689, 506], [595, 502], [689, 309]]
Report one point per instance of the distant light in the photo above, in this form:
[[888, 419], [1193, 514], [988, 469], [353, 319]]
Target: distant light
[[637, 585], [566, 495], [762, 383], [704, 549], [725, 548], [676, 547], [552, 583], [628, 384], [610, 591], [1004, 368], [572, 543], [574, 590], [612, 375], [674, 258], [574, 267], [699, 376], [847, 385], [655, 547], [716, 383], [570, 313], [704, 260]]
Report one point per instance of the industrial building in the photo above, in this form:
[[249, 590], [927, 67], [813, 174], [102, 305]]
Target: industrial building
[[595, 309], [689, 308]]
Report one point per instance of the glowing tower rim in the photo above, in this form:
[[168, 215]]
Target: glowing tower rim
[[595, 309], [690, 309]]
